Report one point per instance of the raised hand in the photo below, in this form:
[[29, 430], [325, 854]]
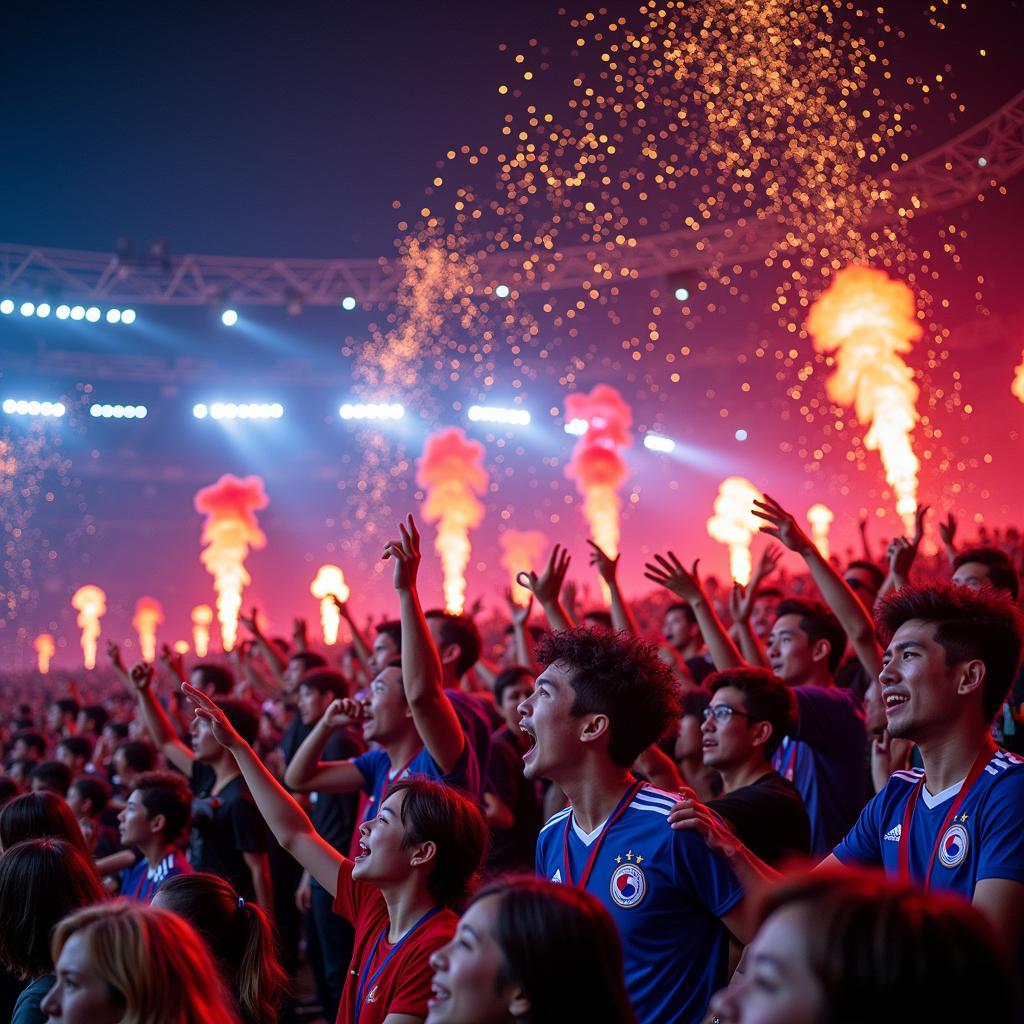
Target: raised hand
[[548, 585], [175, 662], [690, 813], [670, 574], [251, 621], [947, 530], [782, 525], [606, 566], [299, 637], [519, 614], [405, 553], [114, 654], [569, 598], [141, 676], [223, 731], [341, 712]]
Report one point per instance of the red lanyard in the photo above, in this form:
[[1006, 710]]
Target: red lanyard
[[376, 799], [616, 814], [983, 758]]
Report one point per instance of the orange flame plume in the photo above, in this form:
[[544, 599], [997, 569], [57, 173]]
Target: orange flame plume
[[521, 550], [230, 530], [734, 525], [1018, 381], [91, 603], [181, 646], [868, 320], [328, 584], [149, 613], [820, 517], [597, 465], [451, 469], [45, 649], [202, 616]]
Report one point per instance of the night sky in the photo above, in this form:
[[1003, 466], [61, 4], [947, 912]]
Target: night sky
[[265, 129]]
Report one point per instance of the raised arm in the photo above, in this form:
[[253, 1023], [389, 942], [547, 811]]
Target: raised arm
[[741, 604], [521, 634], [547, 588], [156, 720], [286, 819], [686, 585], [852, 615], [623, 618], [273, 657], [432, 711], [307, 773], [947, 531], [363, 650]]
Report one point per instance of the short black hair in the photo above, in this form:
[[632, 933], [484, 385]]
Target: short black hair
[[969, 624], [308, 659], [622, 677], [766, 699], [510, 677], [818, 622], [79, 746], [1001, 573], [139, 755], [96, 715], [876, 574], [168, 794], [392, 629], [213, 676], [244, 718], [94, 789], [119, 729], [324, 680], [763, 592], [435, 812], [67, 706], [460, 630], [601, 616], [52, 775], [31, 738], [684, 607]]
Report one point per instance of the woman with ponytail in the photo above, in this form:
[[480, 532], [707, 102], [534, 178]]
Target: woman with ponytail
[[239, 935]]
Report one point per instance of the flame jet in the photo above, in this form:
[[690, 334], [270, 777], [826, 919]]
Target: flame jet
[[149, 613], [91, 604], [597, 464], [868, 322], [202, 616], [329, 583], [1018, 381], [452, 472], [521, 550], [230, 506], [734, 525], [820, 517], [45, 649]]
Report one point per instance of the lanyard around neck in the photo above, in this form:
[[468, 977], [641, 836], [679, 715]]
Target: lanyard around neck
[[616, 814]]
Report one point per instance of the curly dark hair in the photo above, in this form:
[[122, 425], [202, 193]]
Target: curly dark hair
[[968, 624], [620, 676]]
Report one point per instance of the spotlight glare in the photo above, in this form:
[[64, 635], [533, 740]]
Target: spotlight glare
[[23, 407], [43, 310], [6, 307], [496, 414], [113, 316], [682, 294], [77, 312], [983, 161], [62, 312], [577, 427], [741, 435], [659, 443], [128, 316], [92, 314], [348, 303], [200, 411], [371, 411], [229, 318], [502, 291], [27, 308]]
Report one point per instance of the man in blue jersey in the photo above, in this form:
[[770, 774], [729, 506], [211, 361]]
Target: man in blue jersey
[[602, 700], [408, 715]]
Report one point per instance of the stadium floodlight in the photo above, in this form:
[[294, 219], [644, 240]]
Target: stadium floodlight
[[78, 312], [229, 317], [103, 410], [62, 312], [502, 291], [577, 427], [348, 303], [92, 314], [239, 410], [26, 407], [741, 435], [113, 316], [659, 443], [43, 310], [496, 414], [371, 411], [27, 308], [127, 316], [7, 307]]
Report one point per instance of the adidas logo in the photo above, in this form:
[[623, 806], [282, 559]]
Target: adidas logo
[[893, 835]]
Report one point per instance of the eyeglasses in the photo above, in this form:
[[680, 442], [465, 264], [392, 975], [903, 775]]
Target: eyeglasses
[[855, 584], [722, 713]]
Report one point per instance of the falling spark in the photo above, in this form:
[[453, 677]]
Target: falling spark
[[91, 603], [45, 648], [230, 530], [820, 517], [597, 464], [149, 613], [202, 616], [734, 525], [1018, 381], [868, 321], [521, 551], [328, 584], [451, 469]]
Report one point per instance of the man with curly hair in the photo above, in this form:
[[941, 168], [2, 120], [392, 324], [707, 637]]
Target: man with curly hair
[[602, 700]]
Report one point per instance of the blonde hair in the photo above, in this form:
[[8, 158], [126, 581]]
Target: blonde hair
[[152, 960]]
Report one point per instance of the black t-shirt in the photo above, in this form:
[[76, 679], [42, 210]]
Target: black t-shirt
[[769, 818], [512, 849], [224, 827], [700, 667], [852, 676]]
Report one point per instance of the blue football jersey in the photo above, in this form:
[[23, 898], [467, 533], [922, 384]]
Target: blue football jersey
[[665, 891], [985, 839]]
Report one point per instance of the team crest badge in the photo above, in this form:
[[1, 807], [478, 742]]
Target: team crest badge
[[953, 848], [628, 885]]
